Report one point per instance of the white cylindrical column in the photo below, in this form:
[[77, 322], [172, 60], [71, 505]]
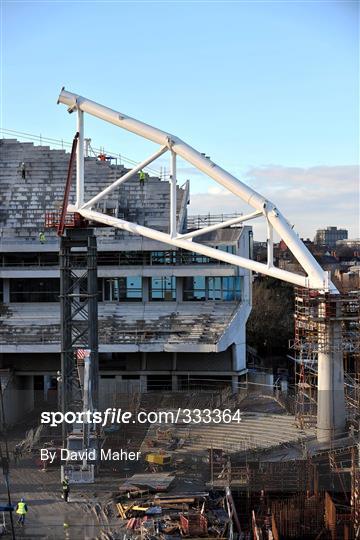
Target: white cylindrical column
[[270, 247], [173, 228], [331, 416], [80, 160]]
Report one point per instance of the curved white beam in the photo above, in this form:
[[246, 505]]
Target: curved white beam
[[317, 277], [189, 245]]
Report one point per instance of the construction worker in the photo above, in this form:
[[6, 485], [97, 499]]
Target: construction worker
[[21, 509], [23, 171], [42, 237], [142, 177], [66, 488]]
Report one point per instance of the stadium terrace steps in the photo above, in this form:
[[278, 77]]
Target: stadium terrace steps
[[254, 431], [22, 212], [170, 322]]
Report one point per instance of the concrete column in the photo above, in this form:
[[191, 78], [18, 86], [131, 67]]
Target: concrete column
[[143, 360], [174, 383], [238, 352], [143, 383], [47, 385], [174, 361], [235, 384], [6, 291], [284, 386], [239, 347], [145, 289], [179, 289], [331, 417]]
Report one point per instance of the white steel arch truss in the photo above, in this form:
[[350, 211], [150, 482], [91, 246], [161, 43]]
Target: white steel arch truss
[[316, 277]]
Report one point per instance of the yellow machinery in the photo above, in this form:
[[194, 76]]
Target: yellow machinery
[[158, 459]]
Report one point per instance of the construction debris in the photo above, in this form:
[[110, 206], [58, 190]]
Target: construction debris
[[151, 482], [192, 515]]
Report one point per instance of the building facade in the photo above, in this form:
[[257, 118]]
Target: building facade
[[168, 319], [329, 236]]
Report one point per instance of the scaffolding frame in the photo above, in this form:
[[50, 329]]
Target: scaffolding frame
[[79, 317], [313, 314]]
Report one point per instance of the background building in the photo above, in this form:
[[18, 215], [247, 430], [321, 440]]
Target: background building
[[168, 319], [329, 236]]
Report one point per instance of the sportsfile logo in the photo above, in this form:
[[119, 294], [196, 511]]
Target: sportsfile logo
[[118, 416]]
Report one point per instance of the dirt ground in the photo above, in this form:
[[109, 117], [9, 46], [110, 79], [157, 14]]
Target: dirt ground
[[49, 517]]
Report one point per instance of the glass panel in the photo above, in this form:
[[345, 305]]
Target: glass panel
[[163, 288], [34, 290], [195, 288], [123, 289], [107, 290], [163, 257], [134, 288], [214, 288], [225, 288], [227, 248]]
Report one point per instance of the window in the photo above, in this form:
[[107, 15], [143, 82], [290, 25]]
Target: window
[[163, 288], [163, 257], [231, 288], [227, 248], [34, 290], [123, 289], [195, 288], [212, 288]]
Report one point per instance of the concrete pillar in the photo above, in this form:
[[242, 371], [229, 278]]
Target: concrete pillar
[[238, 352], [239, 347], [284, 386], [143, 383], [179, 289], [174, 361], [174, 383], [331, 417], [6, 291], [235, 384], [47, 385], [145, 289], [143, 360]]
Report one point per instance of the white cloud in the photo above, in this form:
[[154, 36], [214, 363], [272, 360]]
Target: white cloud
[[309, 198]]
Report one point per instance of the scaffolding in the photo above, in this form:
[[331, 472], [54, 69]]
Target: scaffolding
[[313, 314], [78, 306]]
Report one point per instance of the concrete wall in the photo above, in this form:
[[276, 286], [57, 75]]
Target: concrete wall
[[18, 396], [112, 390]]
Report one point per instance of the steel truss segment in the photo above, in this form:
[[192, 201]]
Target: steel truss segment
[[189, 245], [125, 177], [221, 225], [317, 278]]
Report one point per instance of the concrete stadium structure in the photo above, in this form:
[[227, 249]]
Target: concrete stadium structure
[[167, 317]]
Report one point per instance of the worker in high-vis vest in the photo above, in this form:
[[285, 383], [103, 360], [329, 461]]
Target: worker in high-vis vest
[[21, 510], [66, 489], [142, 177]]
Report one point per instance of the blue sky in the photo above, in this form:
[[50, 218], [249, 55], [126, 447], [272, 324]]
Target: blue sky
[[268, 89]]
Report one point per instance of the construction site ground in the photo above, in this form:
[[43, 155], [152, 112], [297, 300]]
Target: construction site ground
[[83, 517]]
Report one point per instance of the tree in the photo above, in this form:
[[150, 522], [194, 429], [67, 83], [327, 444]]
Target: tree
[[271, 323]]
